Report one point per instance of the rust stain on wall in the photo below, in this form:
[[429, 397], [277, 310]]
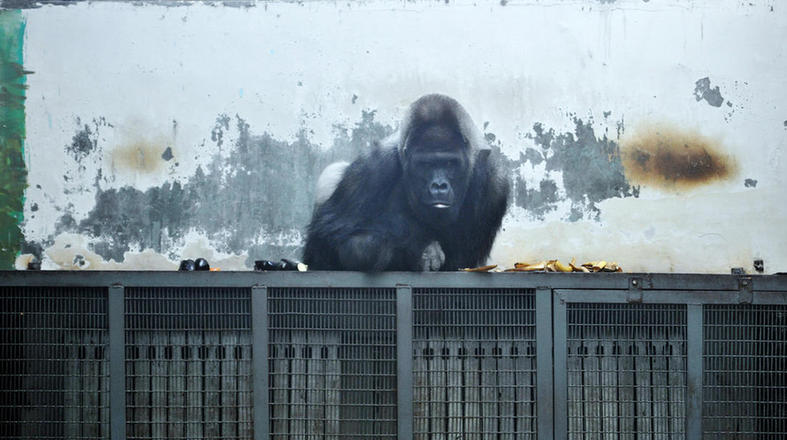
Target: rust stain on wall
[[140, 156], [674, 159]]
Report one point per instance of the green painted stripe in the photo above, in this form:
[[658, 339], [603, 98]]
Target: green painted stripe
[[13, 174]]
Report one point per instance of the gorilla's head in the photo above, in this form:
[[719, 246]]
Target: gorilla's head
[[437, 146]]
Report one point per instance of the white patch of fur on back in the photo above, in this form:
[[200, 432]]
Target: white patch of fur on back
[[329, 180]]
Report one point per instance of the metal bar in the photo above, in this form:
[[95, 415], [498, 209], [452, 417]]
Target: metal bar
[[544, 365], [259, 361], [117, 363], [559, 328], [651, 282], [771, 298], [650, 297], [404, 362], [694, 349]]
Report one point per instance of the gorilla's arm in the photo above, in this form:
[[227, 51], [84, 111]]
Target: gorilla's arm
[[364, 224], [482, 214]]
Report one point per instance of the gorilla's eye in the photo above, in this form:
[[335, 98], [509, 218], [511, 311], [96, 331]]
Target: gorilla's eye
[[423, 162], [453, 163]]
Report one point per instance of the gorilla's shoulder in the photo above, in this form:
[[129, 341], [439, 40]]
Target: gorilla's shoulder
[[372, 170], [365, 188]]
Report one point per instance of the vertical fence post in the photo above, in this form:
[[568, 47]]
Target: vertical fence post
[[559, 325], [117, 363], [259, 361], [404, 362], [544, 365], [694, 322]]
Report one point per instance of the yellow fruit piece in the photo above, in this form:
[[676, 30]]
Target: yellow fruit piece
[[480, 269], [533, 267], [562, 267], [613, 267]]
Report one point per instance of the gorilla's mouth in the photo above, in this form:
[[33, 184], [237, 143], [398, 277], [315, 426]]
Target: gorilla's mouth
[[441, 205]]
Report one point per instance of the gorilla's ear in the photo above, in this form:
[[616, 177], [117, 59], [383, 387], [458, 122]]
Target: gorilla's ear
[[483, 153]]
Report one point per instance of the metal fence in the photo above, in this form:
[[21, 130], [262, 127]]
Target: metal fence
[[448, 356]]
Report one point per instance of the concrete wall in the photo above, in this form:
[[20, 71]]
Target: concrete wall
[[651, 133]]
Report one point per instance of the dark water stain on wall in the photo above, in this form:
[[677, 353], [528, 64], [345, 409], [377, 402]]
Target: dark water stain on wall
[[538, 201], [82, 144], [141, 156], [255, 195], [19, 4], [703, 91], [13, 172], [675, 159], [262, 184], [590, 165]]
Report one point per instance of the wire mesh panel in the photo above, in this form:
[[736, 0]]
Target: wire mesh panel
[[188, 363], [626, 371], [474, 364], [54, 371], [332, 363], [745, 372]]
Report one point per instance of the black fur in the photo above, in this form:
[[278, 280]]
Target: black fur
[[374, 221]]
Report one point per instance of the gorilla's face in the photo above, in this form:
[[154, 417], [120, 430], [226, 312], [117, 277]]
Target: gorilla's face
[[436, 173]]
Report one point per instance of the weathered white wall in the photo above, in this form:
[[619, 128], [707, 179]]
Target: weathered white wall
[[147, 77]]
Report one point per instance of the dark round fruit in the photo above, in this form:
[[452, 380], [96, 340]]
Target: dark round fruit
[[261, 265], [34, 264], [187, 265], [201, 264], [288, 265]]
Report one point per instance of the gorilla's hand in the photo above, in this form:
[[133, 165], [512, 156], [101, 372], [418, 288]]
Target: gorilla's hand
[[365, 252], [432, 257]]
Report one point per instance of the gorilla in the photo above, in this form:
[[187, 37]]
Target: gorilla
[[430, 197]]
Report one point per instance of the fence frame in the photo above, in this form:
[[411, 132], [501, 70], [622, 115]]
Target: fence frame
[[553, 294]]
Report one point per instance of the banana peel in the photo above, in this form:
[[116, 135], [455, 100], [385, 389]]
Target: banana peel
[[576, 268], [602, 266], [480, 269], [525, 267], [558, 266]]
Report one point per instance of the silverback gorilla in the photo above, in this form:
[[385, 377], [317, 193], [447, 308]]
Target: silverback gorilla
[[428, 198]]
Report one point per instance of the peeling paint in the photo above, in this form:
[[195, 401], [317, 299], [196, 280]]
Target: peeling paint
[[242, 202], [167, 154], [245, 206], [538, 201], [674, 159], [82, 144], [703, 91], [589, 166]]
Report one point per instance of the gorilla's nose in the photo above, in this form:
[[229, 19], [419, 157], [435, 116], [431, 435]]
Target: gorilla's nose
[[439, 190]]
